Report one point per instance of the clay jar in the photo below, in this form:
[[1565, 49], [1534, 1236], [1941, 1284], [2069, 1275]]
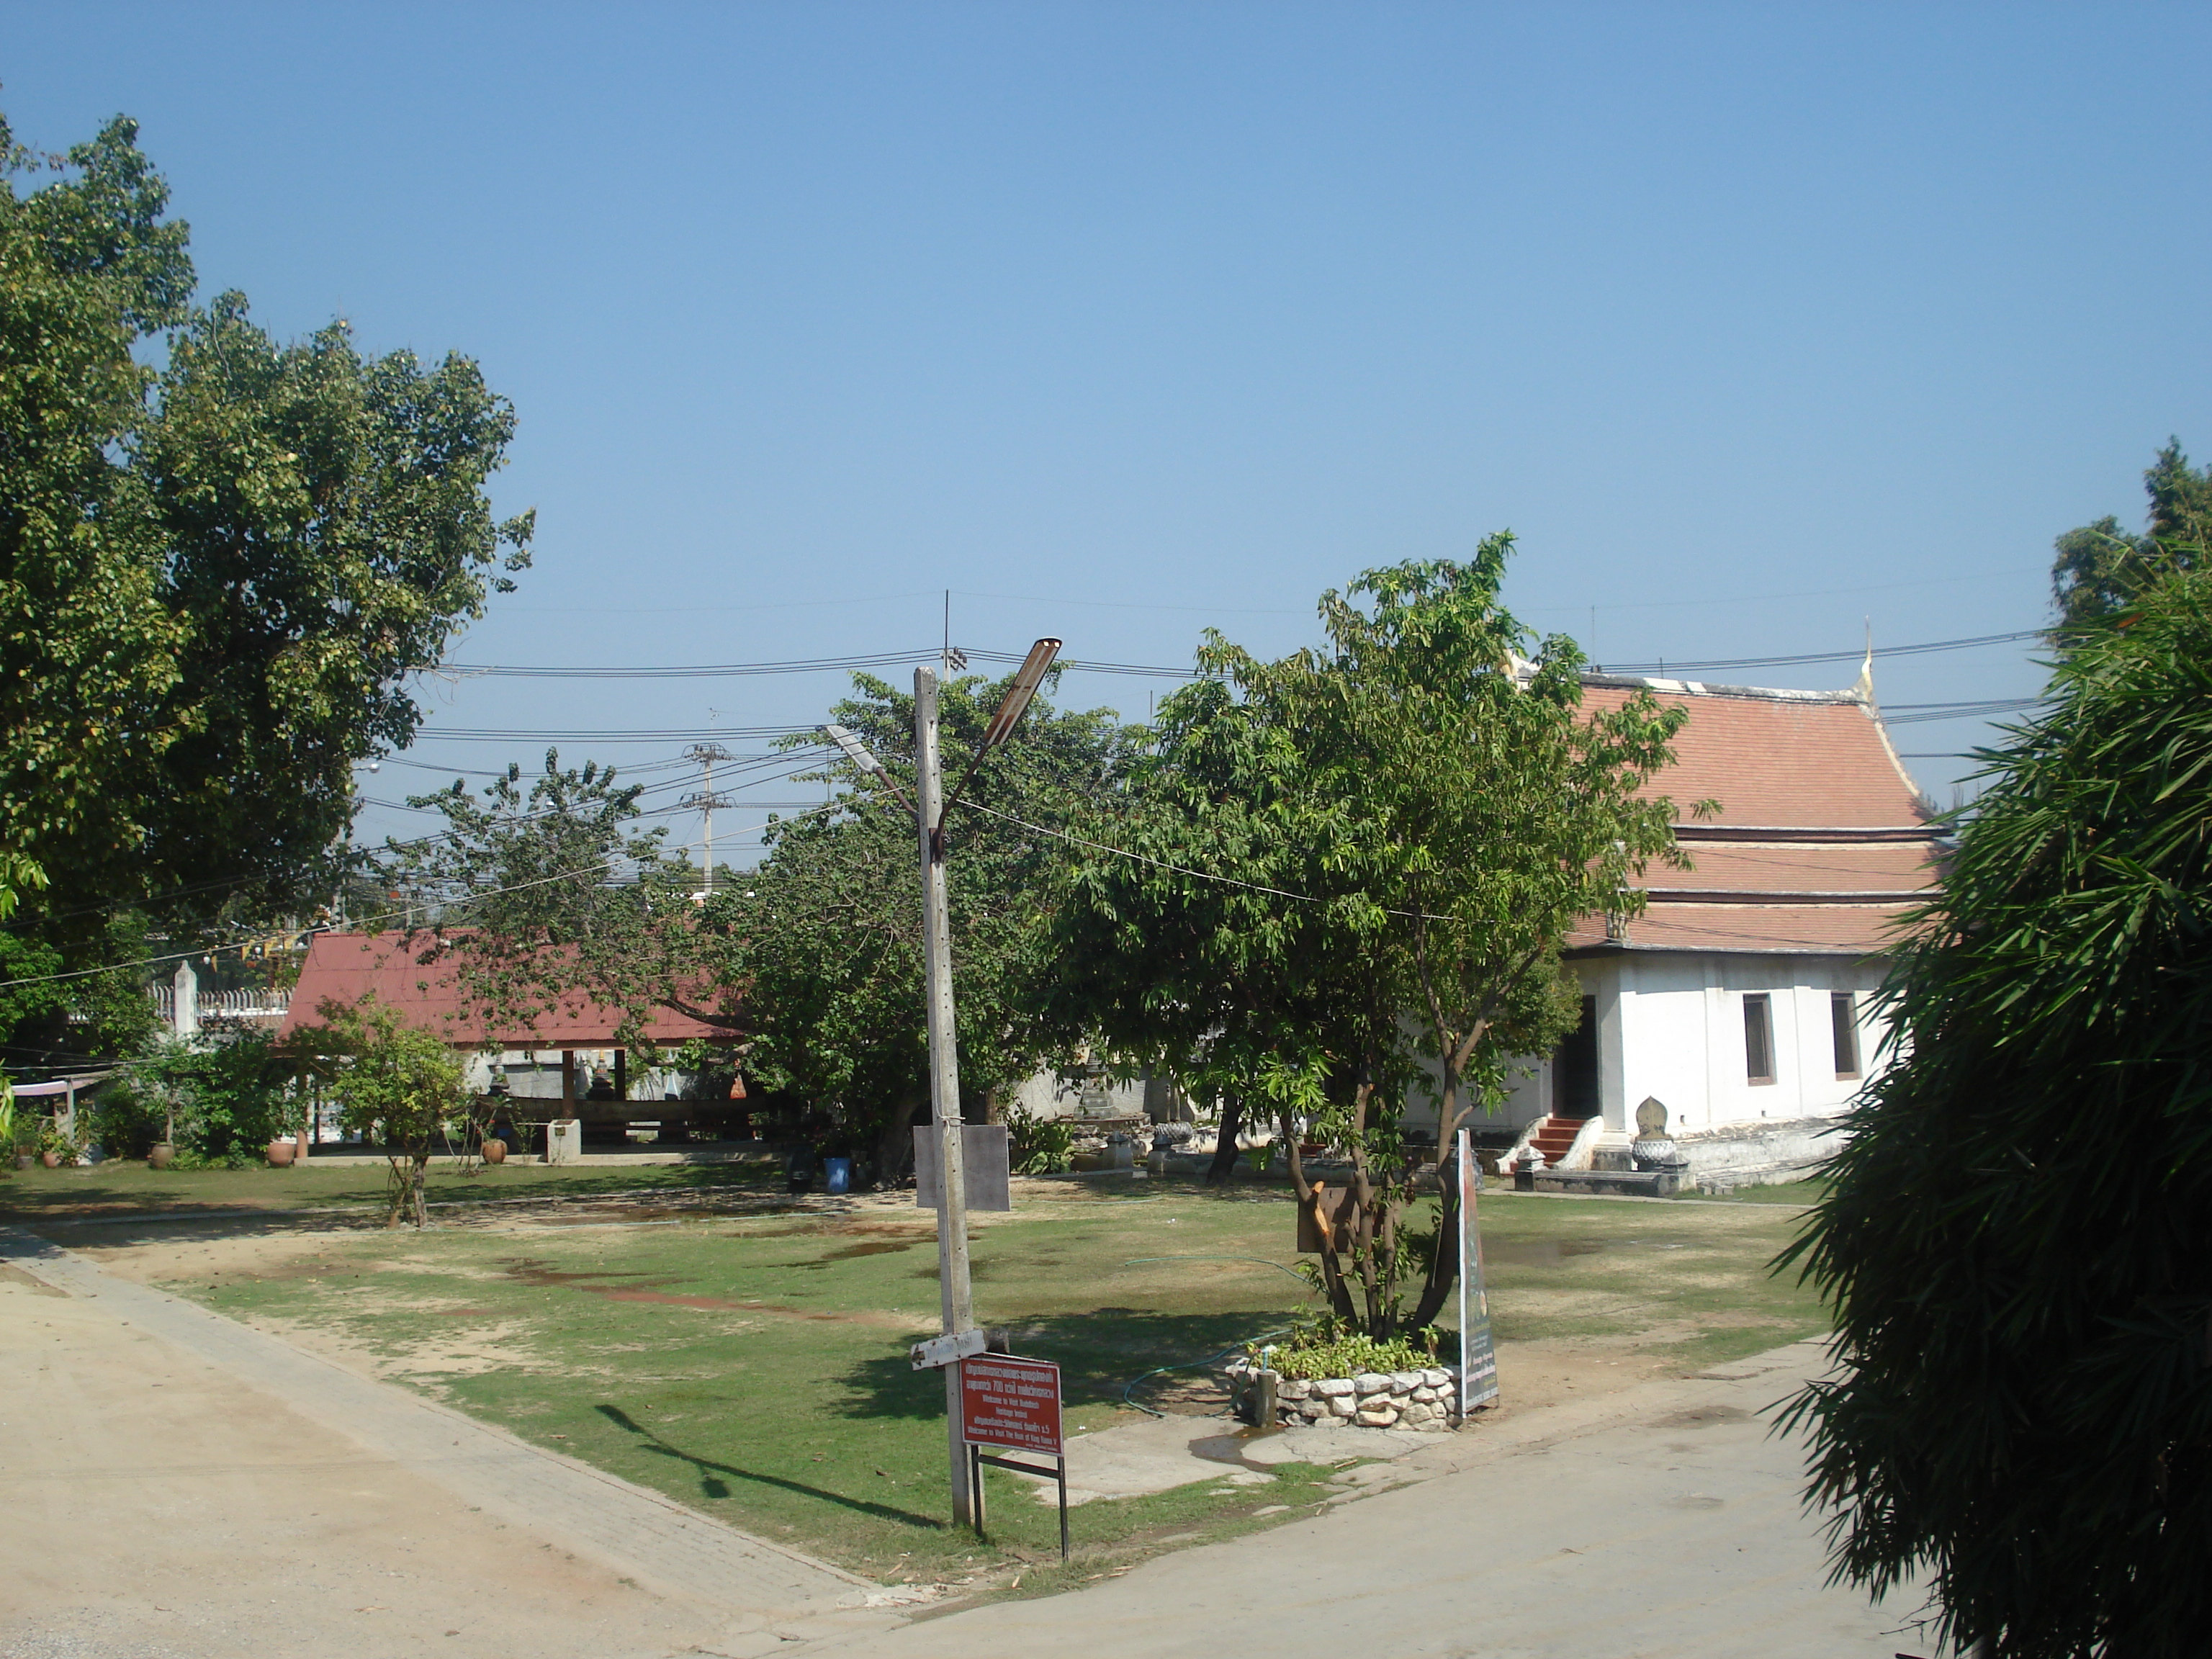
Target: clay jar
[[281, 1152], [495, 1151], [161, 1155]]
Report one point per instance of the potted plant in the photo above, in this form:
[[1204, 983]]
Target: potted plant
[[56, 1146]]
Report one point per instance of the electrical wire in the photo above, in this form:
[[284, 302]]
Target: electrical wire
[[894, 658]]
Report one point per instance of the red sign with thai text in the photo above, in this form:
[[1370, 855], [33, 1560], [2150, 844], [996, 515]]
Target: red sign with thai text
[[1005, 1401]]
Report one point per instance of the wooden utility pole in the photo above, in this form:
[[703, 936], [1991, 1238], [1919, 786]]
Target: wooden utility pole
[[957, 1297]]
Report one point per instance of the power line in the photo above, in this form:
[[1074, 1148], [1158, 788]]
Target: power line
[[1152, 671], [1668, 666]]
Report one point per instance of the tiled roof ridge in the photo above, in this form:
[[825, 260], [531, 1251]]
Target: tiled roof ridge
[[1708, 689]]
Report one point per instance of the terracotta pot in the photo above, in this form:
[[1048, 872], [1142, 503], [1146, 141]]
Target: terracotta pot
[[52, 1160], [495, 1151], [281, 1152], [162, 1155]]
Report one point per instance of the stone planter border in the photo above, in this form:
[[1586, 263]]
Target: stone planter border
[[1426, 1401]]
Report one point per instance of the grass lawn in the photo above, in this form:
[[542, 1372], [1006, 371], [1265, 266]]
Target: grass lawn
[[128, 1185], [754, 1365]]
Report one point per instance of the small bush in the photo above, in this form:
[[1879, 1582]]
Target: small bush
[[1038, 1146], [1329, 1347]]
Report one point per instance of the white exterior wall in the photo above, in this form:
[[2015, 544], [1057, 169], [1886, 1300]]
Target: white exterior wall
[[1670, 1027]]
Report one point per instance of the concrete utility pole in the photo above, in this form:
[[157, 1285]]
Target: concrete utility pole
[[956, 1295], [705, 800]]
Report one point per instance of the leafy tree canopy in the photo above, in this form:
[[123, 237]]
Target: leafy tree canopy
[[824, 937], [2100, 568], [217, 567], [2017, 1239], [1350, 873]]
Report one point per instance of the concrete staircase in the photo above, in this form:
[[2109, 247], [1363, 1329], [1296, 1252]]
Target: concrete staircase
[[1555, 1137]]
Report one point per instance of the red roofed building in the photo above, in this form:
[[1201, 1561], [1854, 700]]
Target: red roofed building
[[1740, 999], [349, 968]]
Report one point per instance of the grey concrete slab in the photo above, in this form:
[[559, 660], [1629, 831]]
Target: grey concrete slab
[[636, 1534], [1665, 1524]]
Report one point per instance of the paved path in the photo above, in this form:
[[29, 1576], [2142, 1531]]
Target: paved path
[[177, 1485], [187, 1473], [1662, 1521]]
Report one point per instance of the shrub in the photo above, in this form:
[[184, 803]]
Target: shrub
[[230, 1097], [1332, 1348], [1038, 1146]]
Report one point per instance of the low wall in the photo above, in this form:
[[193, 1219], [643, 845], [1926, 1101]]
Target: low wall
[[1426, 1400], [1757, 1154]]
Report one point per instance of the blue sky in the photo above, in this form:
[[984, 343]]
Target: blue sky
[[1759, 324]]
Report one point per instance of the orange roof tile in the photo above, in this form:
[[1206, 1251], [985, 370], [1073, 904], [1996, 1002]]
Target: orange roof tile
[[349, 967], [1777, 759], [1822, 841]]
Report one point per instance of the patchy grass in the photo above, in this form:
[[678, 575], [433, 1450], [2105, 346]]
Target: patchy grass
[[1808, 1191], [756, 1366], [122, 1186]]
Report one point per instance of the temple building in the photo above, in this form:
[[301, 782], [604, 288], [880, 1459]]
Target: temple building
[[1742, 1000]]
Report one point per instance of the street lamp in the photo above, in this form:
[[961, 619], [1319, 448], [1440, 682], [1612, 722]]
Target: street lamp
[[957, 1294]]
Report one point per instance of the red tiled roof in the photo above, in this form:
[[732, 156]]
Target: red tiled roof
[[347, 967], [1768, 929], [1821, 842], [1778, 760]]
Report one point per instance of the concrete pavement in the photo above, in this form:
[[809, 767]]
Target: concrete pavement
[[174, 1482], [1659, 1523], [176, 1486]]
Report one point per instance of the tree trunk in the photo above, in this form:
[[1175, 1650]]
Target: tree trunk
[[1224, 1146], [1444, 1269], [418, 1178]]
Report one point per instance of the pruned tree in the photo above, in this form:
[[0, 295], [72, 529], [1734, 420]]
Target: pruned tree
[[392, 1081], [1206, 927], [540, 893], [2016, 1239], [1496, 813], [823, 941], [1352, 864]]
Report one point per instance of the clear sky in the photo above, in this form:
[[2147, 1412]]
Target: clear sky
[[1759, 324]]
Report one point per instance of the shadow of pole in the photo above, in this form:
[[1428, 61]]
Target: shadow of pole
[[708, 1469]]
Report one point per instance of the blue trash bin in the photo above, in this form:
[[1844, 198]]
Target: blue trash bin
[[838, 1172]]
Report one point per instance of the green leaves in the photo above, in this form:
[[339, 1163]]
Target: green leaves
[[215, 575], [1354, 871], [2016, 1236]]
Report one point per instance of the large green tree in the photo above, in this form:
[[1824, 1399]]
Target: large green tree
[[2100, 568], [535, 893], [1349, 875], [221, 557], [2017, 1238], [824, 938]]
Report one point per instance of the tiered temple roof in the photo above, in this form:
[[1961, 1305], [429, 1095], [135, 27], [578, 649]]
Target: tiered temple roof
[[1821, 842]]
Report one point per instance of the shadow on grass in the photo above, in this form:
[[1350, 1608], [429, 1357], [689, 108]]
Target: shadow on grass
[[1099, 1353], [84, 1206], [711, 1486]]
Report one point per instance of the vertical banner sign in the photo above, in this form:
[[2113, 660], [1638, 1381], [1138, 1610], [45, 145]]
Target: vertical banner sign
[[1478, 1358]]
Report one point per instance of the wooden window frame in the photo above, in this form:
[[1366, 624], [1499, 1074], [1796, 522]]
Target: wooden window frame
[[1843, 1034], [1758, 1033]]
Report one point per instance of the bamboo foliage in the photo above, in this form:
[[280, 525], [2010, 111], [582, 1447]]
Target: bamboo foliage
[[2018, 1239]]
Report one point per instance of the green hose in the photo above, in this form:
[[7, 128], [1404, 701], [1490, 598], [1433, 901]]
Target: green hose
[[1199, 1365]]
